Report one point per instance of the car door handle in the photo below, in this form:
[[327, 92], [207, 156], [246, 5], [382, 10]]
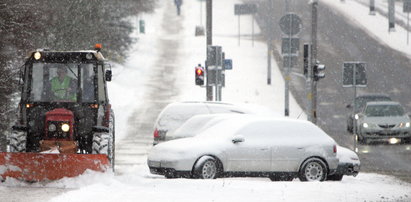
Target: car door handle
[[300, 147], [264, 149]]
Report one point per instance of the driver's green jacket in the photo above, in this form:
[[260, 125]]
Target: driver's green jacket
[[60, 89]]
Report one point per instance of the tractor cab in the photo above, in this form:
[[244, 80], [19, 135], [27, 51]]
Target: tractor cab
[[69, 85]]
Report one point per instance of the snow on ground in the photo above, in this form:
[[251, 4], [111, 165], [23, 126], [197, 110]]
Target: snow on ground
[[245, 84], [375, 25]]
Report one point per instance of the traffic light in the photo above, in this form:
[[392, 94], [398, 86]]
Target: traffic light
[[199, 75], [318, 71], [305, 59]]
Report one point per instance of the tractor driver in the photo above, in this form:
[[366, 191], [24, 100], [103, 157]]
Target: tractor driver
[[62, 86]]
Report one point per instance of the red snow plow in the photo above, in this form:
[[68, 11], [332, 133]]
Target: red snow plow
[[34, 167], [65, 122]]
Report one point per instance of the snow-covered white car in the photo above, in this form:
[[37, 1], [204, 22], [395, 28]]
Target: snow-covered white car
[[175, 114], [349, 164], [383, 121], [197, 124], [278, 148]]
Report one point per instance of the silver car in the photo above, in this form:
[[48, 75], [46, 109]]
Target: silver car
[[278, 148], [383, 120]]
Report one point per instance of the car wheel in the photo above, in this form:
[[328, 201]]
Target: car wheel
[[362, 140], [206, 168], [170, 176], [313, 169], [337, 177], [350, 128]]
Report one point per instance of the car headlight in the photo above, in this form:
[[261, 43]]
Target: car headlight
[[365, 125], [65, 127], [356, 116], [404, 125], [52, 128]]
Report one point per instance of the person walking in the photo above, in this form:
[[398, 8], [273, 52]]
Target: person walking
[[178, 4]]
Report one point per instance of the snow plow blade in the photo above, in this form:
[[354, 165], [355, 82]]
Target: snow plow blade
[[34, 167]]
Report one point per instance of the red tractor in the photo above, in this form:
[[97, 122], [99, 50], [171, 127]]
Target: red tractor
[[65, 121]]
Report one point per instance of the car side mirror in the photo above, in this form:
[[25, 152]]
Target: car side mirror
[[349, 106], [109, 74], [237, 139]]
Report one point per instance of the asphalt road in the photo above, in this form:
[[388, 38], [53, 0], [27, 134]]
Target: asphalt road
[[388, 72]]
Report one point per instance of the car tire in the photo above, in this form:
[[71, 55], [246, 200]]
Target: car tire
[[336, 177], [170, 176], [206, 168], [362, 140], [313, 169], [350, 128]]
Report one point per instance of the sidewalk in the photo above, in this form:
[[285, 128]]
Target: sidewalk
[[375, 25]]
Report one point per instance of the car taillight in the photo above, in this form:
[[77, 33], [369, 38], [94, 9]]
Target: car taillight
[[335, 149], [156, 135]]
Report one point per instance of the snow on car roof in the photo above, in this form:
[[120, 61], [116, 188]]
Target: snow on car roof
[[282, 126], [198, 123]]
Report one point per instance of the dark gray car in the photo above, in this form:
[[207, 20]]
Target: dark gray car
[[359, 103]]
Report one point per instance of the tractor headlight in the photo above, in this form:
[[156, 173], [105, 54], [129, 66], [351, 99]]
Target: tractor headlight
[[37, 55], [65, 127], [52, 128]]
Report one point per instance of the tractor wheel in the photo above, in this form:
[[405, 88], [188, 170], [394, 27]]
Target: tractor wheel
[[103, 143], [18, 141], [112, 145]]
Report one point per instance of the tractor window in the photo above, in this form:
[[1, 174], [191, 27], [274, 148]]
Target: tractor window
[[37, 83], [87, 83], [101, 90], [54, 82]]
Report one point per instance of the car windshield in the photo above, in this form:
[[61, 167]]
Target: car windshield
[[384, 110], [59, 82]]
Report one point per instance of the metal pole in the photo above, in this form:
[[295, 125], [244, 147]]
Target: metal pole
[[201, 13], [354, 107], [269, 41], [238, 30], [391, 15], [287, 76], [308, 86], [287, 6], [252, 28], [313, 60], [287, 72], [372, 7], [408, 27], [209, 33]]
